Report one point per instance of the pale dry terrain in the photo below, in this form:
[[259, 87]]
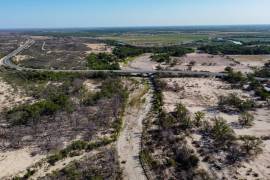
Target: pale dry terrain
[[201, 94], [98, 48], [142, 62], [10, 97], [12, 162], [252, 60], [207, 62], [129, 142]]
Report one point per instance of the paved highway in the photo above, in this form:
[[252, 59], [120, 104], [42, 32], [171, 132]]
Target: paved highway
[[6, 61]]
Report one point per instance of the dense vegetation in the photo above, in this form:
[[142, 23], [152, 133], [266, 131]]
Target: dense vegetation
[[24, 114], [164, 57], [127, 51], [235, 49], [102, 61]]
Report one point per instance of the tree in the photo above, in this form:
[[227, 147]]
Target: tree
[[221, 131], [183, 116], [246, 119], [181, 111]]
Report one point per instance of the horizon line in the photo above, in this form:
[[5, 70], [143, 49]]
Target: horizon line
[[139, 26]]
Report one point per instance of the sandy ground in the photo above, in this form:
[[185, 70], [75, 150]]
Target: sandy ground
[[201, 94], [91, 85], [128, 144], [207, 62], [13, 162], [142, 62], [98, 48], [9, 97], [40, 37], [20, 58], [252, 60], [197, 93]]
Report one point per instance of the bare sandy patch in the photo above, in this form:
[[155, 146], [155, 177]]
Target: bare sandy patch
[[208, 62], [91, 85], [142, 62], [197, 93], [20, 58], [98, 48], [40, 37], [13, 162], [9, 97]]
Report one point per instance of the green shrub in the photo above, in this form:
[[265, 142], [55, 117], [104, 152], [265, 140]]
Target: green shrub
[[221, 131], [199, 116], [54, 158], [22, 114], [78, 145]]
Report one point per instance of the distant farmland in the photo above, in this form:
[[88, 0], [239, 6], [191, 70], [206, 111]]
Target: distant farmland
[[157, 39]]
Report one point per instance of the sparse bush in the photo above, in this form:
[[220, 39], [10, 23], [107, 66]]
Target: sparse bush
[[199, 116], [246, 119], [183, 116], [146, 157], [221, 131], [251, 144], [233, 101]]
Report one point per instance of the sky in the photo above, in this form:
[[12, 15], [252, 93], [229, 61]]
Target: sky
[[126, 13]]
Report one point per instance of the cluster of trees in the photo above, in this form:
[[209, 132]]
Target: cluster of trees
[[234, 77], [30, 113], [130, 51], [160, 58], [235, 49], [102, 61]]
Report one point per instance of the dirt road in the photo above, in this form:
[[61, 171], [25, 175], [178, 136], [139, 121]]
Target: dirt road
[[128, 145]]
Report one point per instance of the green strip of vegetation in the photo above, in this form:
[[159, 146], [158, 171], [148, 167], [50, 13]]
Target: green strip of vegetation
[[125, 51], [235, 49]]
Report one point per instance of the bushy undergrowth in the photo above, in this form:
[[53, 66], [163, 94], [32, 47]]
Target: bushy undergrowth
[[27, 113], [102, 61]]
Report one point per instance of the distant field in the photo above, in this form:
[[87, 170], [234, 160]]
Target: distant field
[[252, 39], [156, 39], [252, 60]]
